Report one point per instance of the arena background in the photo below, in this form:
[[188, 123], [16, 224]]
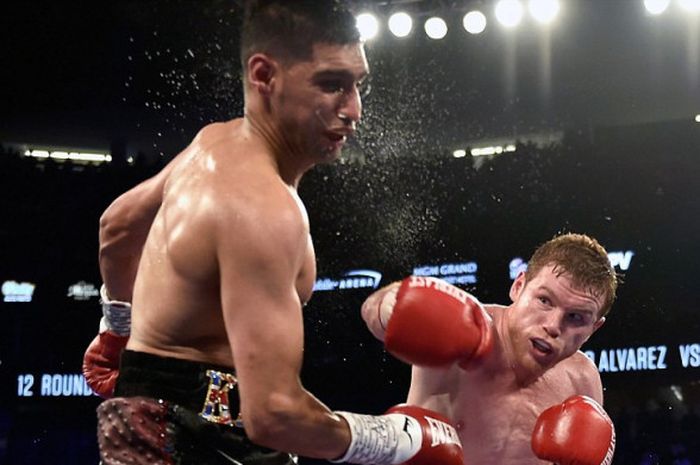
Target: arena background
[[600, 108]]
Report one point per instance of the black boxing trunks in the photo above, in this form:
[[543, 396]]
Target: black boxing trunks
[[176, 412]]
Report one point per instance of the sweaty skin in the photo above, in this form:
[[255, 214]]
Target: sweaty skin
[[216, 194], [495, 404], [228, 261]]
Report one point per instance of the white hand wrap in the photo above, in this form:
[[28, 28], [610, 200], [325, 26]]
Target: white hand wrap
[[381, 440], [116, 315], [386, 307]]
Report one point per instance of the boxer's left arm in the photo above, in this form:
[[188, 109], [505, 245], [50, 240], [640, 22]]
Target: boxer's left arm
[[559, 429], [123, 230], [259, 266]]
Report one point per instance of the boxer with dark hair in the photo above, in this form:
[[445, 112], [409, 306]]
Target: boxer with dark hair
[[511, 378], [214, 255]]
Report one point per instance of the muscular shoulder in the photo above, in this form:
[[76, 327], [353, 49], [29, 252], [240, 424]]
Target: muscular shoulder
[[584, 375], [240, 195], [261, 199], [261, 215], [494, 310], [213, 132], [582, 364]]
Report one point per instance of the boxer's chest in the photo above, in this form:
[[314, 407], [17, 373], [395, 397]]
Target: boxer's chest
[[495, 418]]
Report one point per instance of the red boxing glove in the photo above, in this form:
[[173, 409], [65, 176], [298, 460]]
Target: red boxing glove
[[101, 362], [434, 323], [576, 432], [404, 435], [440, 444]]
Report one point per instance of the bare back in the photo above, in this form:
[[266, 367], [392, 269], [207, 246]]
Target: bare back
[[223, 182], [494, 414]]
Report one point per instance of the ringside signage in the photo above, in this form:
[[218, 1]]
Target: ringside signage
[[52, 385], [82, 291], [353, 279], [453, 273], [621, 260], [646, 358], [14, 291]]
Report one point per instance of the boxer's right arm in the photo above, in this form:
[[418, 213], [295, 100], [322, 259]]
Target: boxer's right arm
[[101, 362], [101, 359], [123, 229], [433, 387], [124, 226]]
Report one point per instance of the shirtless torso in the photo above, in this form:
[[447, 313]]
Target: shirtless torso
[[221, 185]]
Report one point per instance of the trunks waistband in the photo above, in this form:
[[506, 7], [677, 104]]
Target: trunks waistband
[[209, 390]]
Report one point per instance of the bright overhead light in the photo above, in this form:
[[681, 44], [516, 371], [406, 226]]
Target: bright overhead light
[[692, 6], [697, 118], [493, 150], [460, 153], [64, 155], [400, 24], [36, 153], [436, 28], [368, 26], [509, 12], [544, 11], [474, 22], [656, 7]]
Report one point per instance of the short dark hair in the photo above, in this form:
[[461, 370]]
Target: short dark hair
[[288, 29], [581, 257]]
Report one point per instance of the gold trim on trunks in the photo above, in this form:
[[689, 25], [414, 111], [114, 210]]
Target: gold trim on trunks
[[216, 405]]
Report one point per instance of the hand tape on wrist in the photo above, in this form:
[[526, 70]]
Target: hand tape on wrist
[[381, 440], [116, 315]]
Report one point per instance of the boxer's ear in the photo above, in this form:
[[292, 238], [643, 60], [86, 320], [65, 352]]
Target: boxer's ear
[[598, 324], [517, 287], [261, 73]]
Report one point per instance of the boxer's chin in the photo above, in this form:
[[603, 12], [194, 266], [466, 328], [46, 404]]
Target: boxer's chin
[[331, 154], [532, 366]]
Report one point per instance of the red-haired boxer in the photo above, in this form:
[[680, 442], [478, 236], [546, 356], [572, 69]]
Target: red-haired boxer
[[215, 257], [511, 378]]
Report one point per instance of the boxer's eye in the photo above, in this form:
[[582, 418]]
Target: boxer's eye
[[332, 86], [577, 318]]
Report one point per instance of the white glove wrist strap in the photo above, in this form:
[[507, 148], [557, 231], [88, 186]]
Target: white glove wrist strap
[[381, 440], [116, 315], [373, 439]]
